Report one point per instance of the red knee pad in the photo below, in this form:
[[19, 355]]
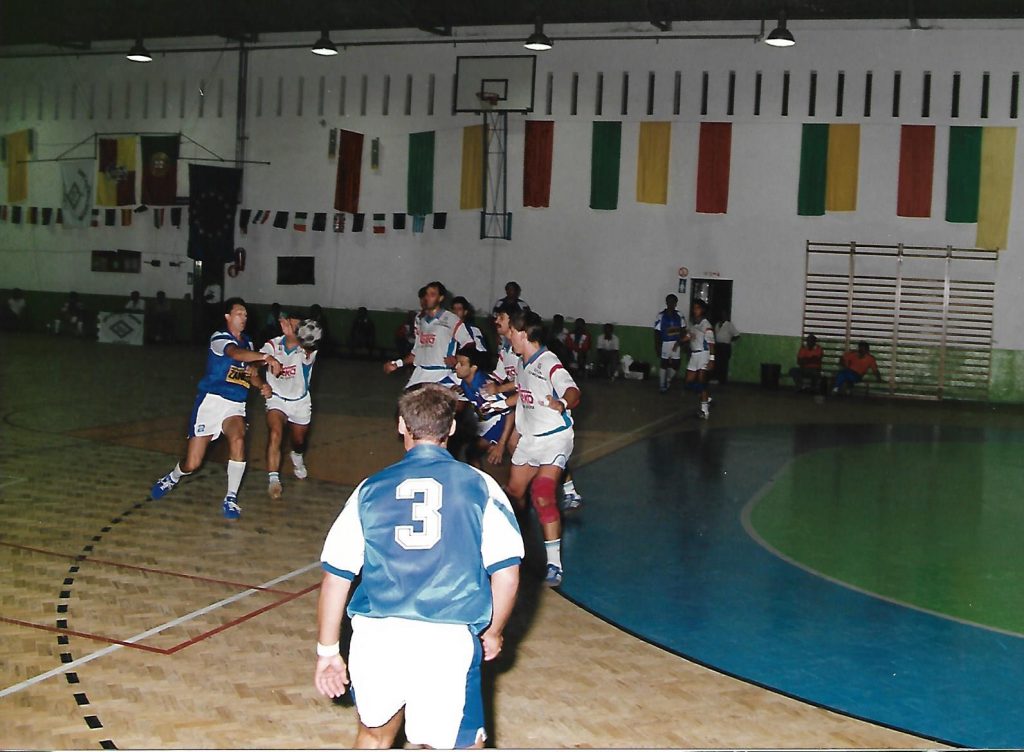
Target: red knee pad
[[542, 493]]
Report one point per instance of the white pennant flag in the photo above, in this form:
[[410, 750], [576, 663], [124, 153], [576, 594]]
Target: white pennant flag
[[77, 200]]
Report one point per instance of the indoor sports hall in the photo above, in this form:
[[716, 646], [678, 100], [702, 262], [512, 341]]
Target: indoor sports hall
[[803, 562]]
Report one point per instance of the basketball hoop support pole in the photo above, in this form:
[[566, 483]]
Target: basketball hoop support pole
[[495, 220]]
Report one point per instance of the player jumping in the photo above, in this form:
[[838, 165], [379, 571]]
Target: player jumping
[[220, 404]]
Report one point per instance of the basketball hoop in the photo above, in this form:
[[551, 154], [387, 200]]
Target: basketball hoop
[[488, 99]]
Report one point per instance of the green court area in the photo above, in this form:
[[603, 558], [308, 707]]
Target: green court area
[[936, 525]]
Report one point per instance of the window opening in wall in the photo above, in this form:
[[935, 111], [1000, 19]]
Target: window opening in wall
[[785, 94], [704, 93], [549, 93], [812, 94], [757, 93], [74, 101], [430, 94], [145, 99], [110, 102], [259, 97], [677, 93], [731, 96], [840, 92], [407, 109], [363, 87], [279, 110], [1014, 94], [296, 270], [181, 99], [650, 93], [625, 94], [599, 99], [321, 94], [954, 109], [301, 97], [985, 80], [897, 79], [869, 80], [574, 94], [220, 97], [341, 95], [386, 96], [926, 95]]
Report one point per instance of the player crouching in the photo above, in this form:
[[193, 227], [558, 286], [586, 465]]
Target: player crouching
[[290, 402], [491, 425], [544, 399], [220, 405]]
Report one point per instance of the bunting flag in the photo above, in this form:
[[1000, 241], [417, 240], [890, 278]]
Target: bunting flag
[[319, 221], [158, 217], [358, 219], [47, 216], [3, 213], [115, 183], [471, 193], [18, 150], [605, 150], [339, 222], [126, 217], [420, 193], [979, 184], [281, 220], [60, 216], [33, 215], [350, 168], [95, 219], [398, 221], [15, 215], [440, 220], [159, 169], [76, 200], [714, 156], [176, 217], [266, 216], [418, 223], [109, 217], [300, 222], [829, 168], [540, 138], [654, 145], [212, 200], [917, 165], [244, 215], [379, 226]]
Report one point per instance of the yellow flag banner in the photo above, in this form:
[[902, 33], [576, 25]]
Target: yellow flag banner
[[115, 181], [471, 193], [18, 146], [652, 162], [842, 169], [995, 190]]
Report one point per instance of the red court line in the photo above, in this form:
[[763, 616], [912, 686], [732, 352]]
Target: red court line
[[86, 635], [240, 619], [120, 565]]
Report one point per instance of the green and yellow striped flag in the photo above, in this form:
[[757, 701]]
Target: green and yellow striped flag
[[979, 181], [829, 168]]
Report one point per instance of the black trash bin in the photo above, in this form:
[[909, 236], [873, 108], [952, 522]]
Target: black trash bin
[[770, 373]]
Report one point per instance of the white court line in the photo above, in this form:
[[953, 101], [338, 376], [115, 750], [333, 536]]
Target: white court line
[[624, 436], [65, 667], [11, 480]]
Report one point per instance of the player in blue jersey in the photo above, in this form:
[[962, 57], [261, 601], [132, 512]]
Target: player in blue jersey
[[491, 427], [438, 550], [669, 331], [220, 405]]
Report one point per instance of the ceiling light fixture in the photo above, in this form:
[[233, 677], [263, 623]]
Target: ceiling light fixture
[[324, 46], [538, 40], [138, 54], [780, 36]]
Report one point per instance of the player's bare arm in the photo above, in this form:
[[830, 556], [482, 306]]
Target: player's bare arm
[[496, 453], [504, 585], [256, 379], [567, 401], [243, 355], [331, 674], [393, 365]]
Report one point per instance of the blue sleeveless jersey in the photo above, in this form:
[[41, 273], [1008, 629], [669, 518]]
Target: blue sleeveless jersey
[[225, 376], [425, 533], [670, 325]]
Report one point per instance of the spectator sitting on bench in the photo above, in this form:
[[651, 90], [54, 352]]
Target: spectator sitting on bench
[[578, 343], [135, 303], [13, 316], [807, 373], [608, 352], [72, 317], [853, 367], [363, 334]]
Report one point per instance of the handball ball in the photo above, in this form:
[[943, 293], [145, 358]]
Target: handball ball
[[309, 334]]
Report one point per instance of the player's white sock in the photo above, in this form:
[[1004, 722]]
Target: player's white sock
[[671, 374], [273, 477], [663, 378], [177, 473], [569, 487], [554, 552], [235, 472]]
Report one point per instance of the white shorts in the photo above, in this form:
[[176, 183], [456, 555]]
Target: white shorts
[[209, 414], [422, 375], [537, 451], [671, 350], [698, 360], [432, 670], [298, 411]]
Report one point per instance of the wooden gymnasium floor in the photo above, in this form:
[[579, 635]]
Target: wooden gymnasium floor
[[132, 623]]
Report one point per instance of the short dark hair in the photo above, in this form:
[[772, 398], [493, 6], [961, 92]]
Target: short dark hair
[[531, 323], [232, 302], [439, 286], [509, 309], [428, 412], [672, 297], [513, 283], [478, 358], [422, 292], [460, 300]]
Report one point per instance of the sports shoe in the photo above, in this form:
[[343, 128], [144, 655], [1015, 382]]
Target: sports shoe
[[554, 576], [231, 509], [704, 414], [301, 472], [274, 489], [162, 487], [572, 502]]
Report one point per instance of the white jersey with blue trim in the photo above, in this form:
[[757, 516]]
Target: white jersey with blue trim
[[477, 337], [508, 363], [541, 379], [426, 534], [296, 369], [702, 336]]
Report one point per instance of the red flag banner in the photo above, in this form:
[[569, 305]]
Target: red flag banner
[[350, 169], [159, 170], [540, 138], [917, 166], [713, 159]]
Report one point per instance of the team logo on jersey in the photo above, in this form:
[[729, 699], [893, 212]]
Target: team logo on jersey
[[287, 372], [525, 396], [427, 338], [510, 372], [238, 375]]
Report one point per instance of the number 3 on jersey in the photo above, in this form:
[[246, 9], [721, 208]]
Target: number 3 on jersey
[[426, 510]]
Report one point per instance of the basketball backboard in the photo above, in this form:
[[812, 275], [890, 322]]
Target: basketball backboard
[[508, 79]]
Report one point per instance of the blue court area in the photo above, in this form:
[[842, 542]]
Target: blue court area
[[669, 549]]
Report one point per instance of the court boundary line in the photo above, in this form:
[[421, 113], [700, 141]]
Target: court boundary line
[[131, 641]]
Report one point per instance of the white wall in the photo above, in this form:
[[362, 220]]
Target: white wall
[[602, 265]]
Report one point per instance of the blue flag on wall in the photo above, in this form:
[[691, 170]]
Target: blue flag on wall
[[212, 201]]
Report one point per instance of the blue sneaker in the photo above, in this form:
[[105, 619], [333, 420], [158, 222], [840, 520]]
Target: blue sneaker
[[231, 509], [162, 487], [572, 502], [554, 576]]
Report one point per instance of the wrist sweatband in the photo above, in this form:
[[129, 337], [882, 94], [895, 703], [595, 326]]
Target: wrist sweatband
[[327, 651], [398, 362]]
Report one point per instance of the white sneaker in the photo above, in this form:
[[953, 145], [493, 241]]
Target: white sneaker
[[274, 489], [301, 472]]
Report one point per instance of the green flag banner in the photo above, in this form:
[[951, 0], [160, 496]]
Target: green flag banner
[[420, 198], [813, 170], [606, 149], [964, 172]]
